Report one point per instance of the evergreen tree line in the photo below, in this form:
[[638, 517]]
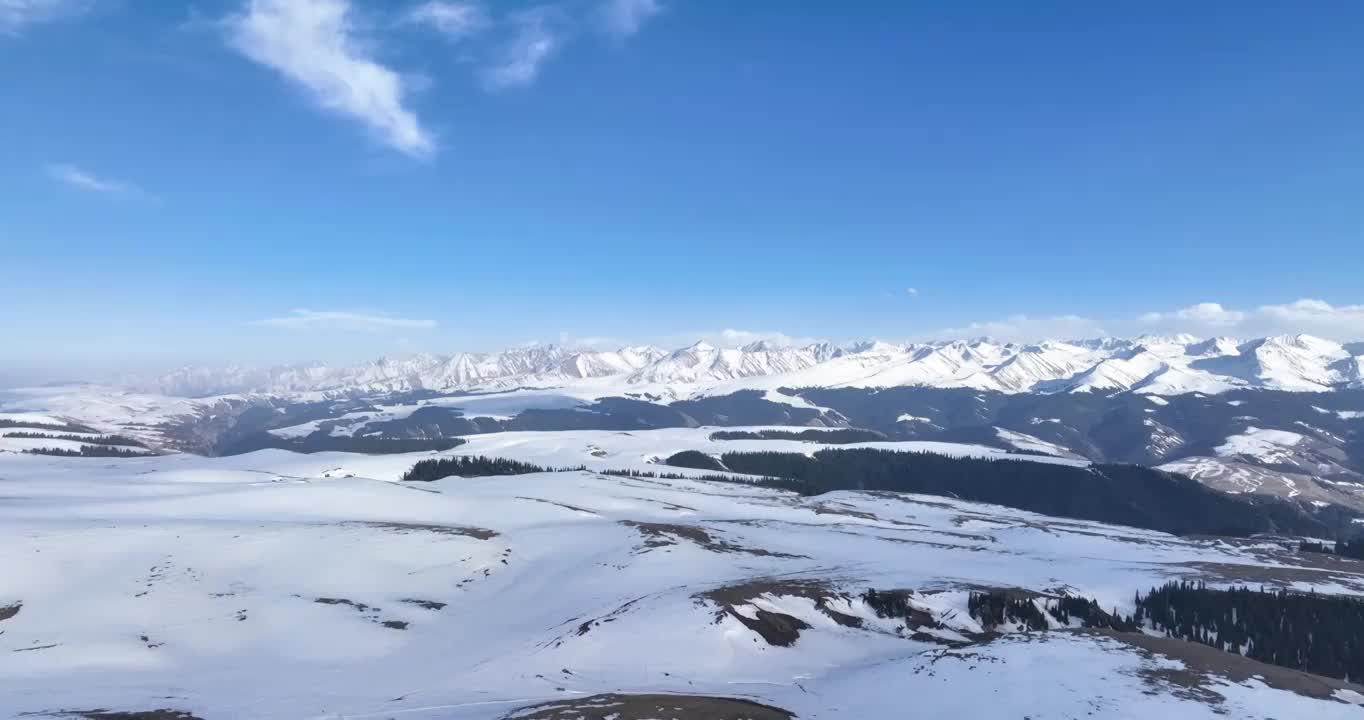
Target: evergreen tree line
[[91, 451], [1321, 634], [997, 607], [1119, 494], [694, 459], [895, 604], [775, 483], [1352, 548], [50, 427], [480, 466], [842, 436], [474, 466], [324, 442], [994, 608], [102, 440]]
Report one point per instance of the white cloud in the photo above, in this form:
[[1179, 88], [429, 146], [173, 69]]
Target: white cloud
[[623, 18], [1342, 323], [313, 43], [1310, 316], [1316, 317], [733, 337], [533, 42], [570, 340], [304, 319], [15, 15], [83, 180], [1205, 315], [1022, 328], [455, 20], [912, 292]]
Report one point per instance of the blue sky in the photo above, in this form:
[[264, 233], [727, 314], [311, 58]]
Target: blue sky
[[281, 180]]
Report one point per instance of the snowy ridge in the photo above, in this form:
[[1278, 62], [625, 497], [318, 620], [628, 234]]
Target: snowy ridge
[[1147, 364], [529, 365]]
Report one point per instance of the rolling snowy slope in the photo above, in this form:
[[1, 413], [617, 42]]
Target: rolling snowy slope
[[281, 586]]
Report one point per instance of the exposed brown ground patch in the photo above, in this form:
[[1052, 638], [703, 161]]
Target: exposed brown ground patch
[[1292, 564], [863, 530], [650, 707], [745, 592], [1274, 575], [775, 628], [162, 714], [465, 530], [370, 612], [751, 492], [565, 506], [837, 508], [666, 505], [1204, 665], [1318, 561], [35, 647], [901, 497], [1129, 539], [658, 535], [359, 607], [586, 625], [424, 604]]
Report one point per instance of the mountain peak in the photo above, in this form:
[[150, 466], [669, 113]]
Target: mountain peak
[[1149, 364], [874, 346], [761, 346]]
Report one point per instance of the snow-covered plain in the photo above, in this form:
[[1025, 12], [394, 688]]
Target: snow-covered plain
[[611, 450], [275, 585]]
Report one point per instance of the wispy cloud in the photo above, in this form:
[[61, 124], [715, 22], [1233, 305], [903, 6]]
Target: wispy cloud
[[912, 292], [533, 41], [593, 342], [314, 44], [74, 176], [455, 20], [623, 18], [736, 337], [304, 319], [15, 15], [1023, 328], [540, 32], [1342, 323]]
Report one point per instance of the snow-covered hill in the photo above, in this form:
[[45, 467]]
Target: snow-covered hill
[[278, 586], [1146, 364]]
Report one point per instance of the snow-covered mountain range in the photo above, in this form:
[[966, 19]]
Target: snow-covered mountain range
[[1156, 365]]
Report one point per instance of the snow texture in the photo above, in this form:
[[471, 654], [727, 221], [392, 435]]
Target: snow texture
[[277, 586]]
